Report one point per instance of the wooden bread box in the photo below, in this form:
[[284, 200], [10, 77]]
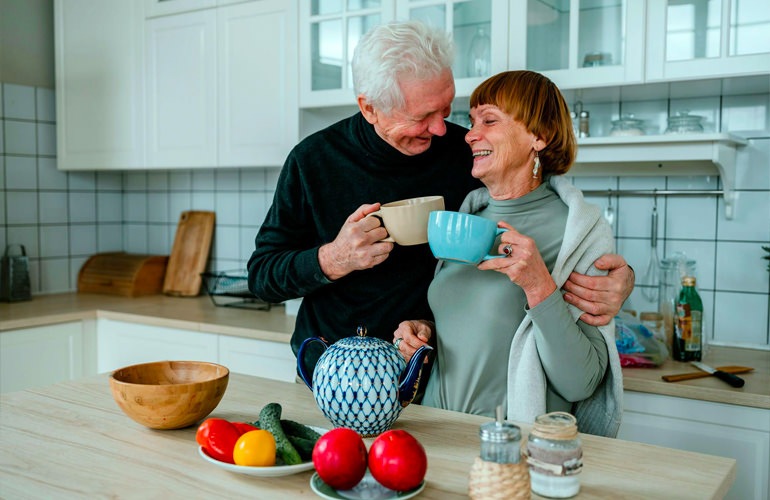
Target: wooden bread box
[[120, 273]]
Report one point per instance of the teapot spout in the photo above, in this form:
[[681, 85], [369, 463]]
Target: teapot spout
[[410, 379]]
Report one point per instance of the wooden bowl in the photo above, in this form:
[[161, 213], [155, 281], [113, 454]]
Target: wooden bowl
[[169, 394]]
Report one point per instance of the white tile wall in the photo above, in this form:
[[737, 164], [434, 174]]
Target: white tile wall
[[64, 217]]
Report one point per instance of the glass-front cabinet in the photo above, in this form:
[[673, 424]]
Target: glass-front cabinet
[[479, 29], [579, 43], [707, 38], [329, 31]]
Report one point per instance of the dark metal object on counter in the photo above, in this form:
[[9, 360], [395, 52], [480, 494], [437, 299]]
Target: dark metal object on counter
[[677, 377], [14, 275], [731, 379], [232, 284]]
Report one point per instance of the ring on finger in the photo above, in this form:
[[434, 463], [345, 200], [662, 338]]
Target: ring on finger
[[397, 342], [507, 249]]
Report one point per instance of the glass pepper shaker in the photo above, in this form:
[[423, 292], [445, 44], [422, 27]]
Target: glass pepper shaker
[[499, 472], [555, 455]]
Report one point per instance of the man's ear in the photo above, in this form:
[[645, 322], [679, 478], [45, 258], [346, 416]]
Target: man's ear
[[370, 114]]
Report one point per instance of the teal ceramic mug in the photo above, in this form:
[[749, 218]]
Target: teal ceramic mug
[[460, 237]]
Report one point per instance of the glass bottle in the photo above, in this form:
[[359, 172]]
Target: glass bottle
[[688, 324], [479, 58], [555, 455], [583, 127], [672, 269]]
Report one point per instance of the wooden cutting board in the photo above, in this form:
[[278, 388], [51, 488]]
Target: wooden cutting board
[[187, 261]]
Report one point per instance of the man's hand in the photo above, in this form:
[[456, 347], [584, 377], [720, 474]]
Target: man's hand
[[601, 297], [357, 246]]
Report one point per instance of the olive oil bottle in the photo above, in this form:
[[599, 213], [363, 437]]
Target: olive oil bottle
[[688, 323]]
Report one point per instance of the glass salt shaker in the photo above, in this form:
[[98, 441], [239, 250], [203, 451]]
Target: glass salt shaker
[[498, 471], [500, 442], [555, 455]]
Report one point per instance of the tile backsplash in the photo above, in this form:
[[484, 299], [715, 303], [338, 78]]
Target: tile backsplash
[[62, 218]]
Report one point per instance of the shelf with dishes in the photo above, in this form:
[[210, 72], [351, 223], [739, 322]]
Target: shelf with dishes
[[663, 155]]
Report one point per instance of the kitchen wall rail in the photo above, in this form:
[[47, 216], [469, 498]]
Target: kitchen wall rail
[[652, 192]]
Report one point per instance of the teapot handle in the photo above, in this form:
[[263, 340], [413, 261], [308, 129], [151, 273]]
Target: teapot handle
[[304, 375], [410, 378]]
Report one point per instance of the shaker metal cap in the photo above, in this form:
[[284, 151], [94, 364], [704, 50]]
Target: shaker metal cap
[[496, 432]]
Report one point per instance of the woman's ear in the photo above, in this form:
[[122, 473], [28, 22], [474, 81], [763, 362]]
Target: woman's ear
[[538, 144]]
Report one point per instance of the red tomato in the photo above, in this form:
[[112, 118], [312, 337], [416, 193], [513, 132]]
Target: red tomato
[[397, 460], [218, 436], [339, 457]]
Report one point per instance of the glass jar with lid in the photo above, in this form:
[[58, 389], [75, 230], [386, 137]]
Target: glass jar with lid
[[684, 123], [627, 125], [555, 455]]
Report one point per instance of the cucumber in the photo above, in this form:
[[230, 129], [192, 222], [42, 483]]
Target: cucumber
[[296, 429], [293, 428], [270, 420], [303, 446]]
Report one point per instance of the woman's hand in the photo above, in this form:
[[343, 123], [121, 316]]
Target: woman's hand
[[523, 265], [411, 335]]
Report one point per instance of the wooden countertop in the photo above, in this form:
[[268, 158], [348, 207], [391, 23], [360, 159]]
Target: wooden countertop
[[200, 314], [72, 440]]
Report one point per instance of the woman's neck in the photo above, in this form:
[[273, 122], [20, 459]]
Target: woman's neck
[[516, 186]]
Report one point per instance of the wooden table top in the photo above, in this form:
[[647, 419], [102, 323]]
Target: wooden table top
[[71, 440]]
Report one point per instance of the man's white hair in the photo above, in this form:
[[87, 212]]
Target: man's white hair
[[398, 51]]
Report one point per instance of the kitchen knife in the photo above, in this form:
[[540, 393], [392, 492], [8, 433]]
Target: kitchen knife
[[731, 379]]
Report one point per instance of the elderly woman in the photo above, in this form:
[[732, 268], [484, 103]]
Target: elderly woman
[[503, 331]]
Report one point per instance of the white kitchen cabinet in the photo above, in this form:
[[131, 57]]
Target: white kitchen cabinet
[[733, 431], [44, 355], [258, 121], [262, 358], [155, 8], [122, 343], [479, 31], [181, 90], [222, 86], [99, 84], [579, 43], [329, 30], [696, 39]]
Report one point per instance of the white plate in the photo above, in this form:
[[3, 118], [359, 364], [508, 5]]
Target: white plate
[[367, 489], [270, 471]]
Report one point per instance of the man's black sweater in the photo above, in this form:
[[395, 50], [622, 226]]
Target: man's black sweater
[[326, 177]]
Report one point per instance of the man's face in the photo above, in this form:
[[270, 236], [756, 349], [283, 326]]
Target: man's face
[[427, 103]]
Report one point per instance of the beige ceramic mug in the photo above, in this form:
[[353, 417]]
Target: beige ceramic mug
[[407, 220]]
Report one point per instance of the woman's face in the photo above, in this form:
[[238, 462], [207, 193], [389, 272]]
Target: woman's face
[[502, 147]]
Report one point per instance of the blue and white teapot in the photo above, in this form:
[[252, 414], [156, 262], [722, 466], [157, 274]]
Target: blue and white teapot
[[361, 382]]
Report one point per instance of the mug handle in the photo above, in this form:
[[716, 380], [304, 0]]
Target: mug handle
[[497, 233], [378, 214]]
